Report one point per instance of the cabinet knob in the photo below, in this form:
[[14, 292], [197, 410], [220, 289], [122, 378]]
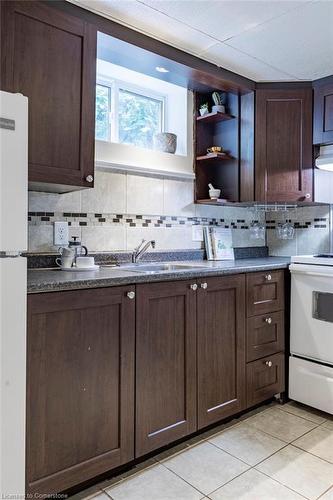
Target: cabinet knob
[[89, 178], [194, 287], [269, 364], [268, 277], [268, 320], [308, 196], [204, 286], [131, 295]]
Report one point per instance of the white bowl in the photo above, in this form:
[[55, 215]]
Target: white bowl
[[214, 193]]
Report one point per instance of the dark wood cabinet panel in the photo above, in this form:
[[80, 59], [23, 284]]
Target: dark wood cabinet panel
[[265, 378], [80, 389], [265, 292], [283, 145], [51, 58], [323, 111], [264, 335], [221, 348], [165, 364]]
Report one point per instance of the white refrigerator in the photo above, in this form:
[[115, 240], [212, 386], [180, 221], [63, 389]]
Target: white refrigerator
[[13, 284]]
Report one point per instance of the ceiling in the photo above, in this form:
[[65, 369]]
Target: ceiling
[[264, 40]]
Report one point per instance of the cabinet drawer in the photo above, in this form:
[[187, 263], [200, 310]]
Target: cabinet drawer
[[265, 378], [265, 335], [265, 292]]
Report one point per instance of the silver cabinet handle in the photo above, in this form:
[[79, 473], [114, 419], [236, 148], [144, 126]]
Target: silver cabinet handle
[[204, 286], [268, 320], [131, 295], [268, 277], [89, 178], [308, 196], [194, 287], [269, 364]]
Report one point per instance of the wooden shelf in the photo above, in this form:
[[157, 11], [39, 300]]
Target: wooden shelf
[[214, 117], [208, 201], [214, 156]]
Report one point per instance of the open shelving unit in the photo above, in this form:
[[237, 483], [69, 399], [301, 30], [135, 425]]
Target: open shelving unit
[[219, 169]]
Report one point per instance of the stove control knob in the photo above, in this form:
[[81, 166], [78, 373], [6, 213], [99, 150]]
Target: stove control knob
[[268, 320], [269, 364]]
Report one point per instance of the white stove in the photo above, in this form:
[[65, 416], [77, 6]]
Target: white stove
[[311, 331]]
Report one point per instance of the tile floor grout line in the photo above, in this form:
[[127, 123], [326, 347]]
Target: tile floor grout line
[[329, 489], [295, 415], [310, 453], [233, 456], [167, 468]]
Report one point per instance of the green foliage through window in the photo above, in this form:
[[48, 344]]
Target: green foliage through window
[[103, 106]]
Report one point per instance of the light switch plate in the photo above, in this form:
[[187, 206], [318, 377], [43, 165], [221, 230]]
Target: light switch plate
[[60, 233], [197, 233]]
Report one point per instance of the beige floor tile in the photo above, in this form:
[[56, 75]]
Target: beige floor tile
[[329, 423], [328, 495], [156, 483], [247, 443], [318, 442], [88, 493], [253, 485], [304, 473], [205, 467], [281, 424], [304, 411], [100, 496]]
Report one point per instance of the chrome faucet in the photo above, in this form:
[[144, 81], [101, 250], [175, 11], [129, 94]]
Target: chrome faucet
[[141, 249]]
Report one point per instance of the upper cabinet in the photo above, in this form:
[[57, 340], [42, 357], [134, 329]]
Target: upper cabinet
[[323, 111], [50, 57], [283, 145]]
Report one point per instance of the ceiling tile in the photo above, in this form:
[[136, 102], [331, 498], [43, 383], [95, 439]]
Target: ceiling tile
[[149, 21], [300, 42], [230, 58], [223, 19]]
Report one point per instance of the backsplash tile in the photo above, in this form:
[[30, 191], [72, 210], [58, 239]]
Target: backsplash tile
[[122, 209]]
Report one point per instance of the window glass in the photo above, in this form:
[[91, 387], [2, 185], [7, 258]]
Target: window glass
[[140, 117], [103, 106]]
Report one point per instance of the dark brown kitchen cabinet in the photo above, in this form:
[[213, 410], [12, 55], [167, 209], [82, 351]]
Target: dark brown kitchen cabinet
[[283, 145], [265, 377], [80, 388], [221, 348], [323, 111], [265, 335], [165, 363], [50, 56]]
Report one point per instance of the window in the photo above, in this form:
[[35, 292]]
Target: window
[[128, 115]]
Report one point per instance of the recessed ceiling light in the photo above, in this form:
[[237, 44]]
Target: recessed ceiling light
[[160, 69]]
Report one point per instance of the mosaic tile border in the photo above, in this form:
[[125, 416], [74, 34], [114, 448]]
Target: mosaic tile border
[[82, 219]]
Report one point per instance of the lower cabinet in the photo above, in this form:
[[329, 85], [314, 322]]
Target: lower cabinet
[[221, 348], [115, 373], [165, 364], [80, 388]]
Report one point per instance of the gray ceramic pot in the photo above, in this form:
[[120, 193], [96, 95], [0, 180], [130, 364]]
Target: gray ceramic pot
[[166, 142]]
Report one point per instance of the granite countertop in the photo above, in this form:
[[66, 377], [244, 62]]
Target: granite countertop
[[52, 280]]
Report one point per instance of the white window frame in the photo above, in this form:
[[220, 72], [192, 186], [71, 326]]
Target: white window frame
[[115, 86]]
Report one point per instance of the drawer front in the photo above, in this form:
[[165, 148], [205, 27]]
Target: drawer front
[[265, 335], [265, 378], [265, 292]]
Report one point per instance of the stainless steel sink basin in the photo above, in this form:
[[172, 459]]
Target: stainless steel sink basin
[[157, 268]]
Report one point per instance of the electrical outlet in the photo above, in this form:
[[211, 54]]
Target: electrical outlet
[[60, 233], [197, 233]]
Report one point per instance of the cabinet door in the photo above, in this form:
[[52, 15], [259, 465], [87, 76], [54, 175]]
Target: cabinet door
[[80, 396], [323, 112], [283, 151], [50, 57], [165, 364], [265, 292], [265, 378], [221, 348]]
